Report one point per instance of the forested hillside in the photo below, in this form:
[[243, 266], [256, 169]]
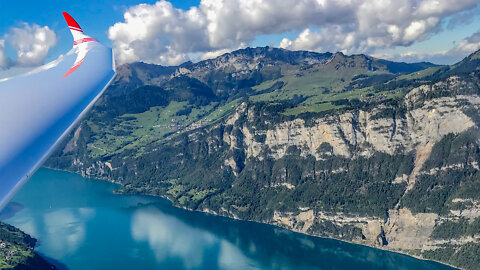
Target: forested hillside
[[16, 250], [350, 147]]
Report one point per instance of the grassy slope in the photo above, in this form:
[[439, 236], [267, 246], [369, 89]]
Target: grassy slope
[[158, 123], [313, 89], [320, 85], [18, 251]]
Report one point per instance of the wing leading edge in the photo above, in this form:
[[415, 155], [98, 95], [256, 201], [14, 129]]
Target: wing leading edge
[[38, 109]]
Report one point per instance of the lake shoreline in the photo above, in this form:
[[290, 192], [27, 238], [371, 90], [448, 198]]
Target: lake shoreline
[[308, 234], [255, 221]]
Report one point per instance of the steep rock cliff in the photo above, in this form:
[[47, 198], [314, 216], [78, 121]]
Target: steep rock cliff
[[398, 173]]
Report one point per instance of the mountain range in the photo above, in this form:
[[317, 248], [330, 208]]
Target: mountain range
[[355, 148]]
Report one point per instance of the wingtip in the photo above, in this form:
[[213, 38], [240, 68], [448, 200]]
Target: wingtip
[[78, 36], [72, 24]]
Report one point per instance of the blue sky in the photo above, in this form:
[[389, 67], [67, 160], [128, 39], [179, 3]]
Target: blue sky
[[437, 41], [94, 16]]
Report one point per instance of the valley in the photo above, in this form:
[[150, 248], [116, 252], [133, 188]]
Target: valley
[[354, 148]]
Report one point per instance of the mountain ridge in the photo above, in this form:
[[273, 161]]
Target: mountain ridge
[[342, 148], [272, 54]]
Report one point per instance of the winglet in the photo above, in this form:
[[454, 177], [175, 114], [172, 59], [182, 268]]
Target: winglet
[[79, 42], [77, 32], [72, 24]]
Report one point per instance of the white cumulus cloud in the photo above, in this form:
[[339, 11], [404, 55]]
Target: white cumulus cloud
[[470, 44], [381, 24], [159, 33], [162, 34], [467, 46], [31, 43]]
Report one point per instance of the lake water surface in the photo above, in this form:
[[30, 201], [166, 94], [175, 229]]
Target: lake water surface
[[81, 224]]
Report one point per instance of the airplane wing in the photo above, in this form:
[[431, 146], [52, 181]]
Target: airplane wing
[[39, 108]]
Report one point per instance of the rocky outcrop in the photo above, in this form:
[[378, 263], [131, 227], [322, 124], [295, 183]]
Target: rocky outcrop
[[419, 129], [402, 230], [72, 144], [301, 222], [385, 169]]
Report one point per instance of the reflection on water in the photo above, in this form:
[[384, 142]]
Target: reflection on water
[[10, 209], [171, 239], [82, 224], [60, 232], [64, 230]]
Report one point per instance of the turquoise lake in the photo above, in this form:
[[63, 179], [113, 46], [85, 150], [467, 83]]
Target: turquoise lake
[[81, 224]]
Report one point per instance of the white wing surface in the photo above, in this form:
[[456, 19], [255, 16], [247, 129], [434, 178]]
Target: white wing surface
[[39, 108]]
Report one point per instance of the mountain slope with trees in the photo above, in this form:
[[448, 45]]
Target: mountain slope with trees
[[350, 147]]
